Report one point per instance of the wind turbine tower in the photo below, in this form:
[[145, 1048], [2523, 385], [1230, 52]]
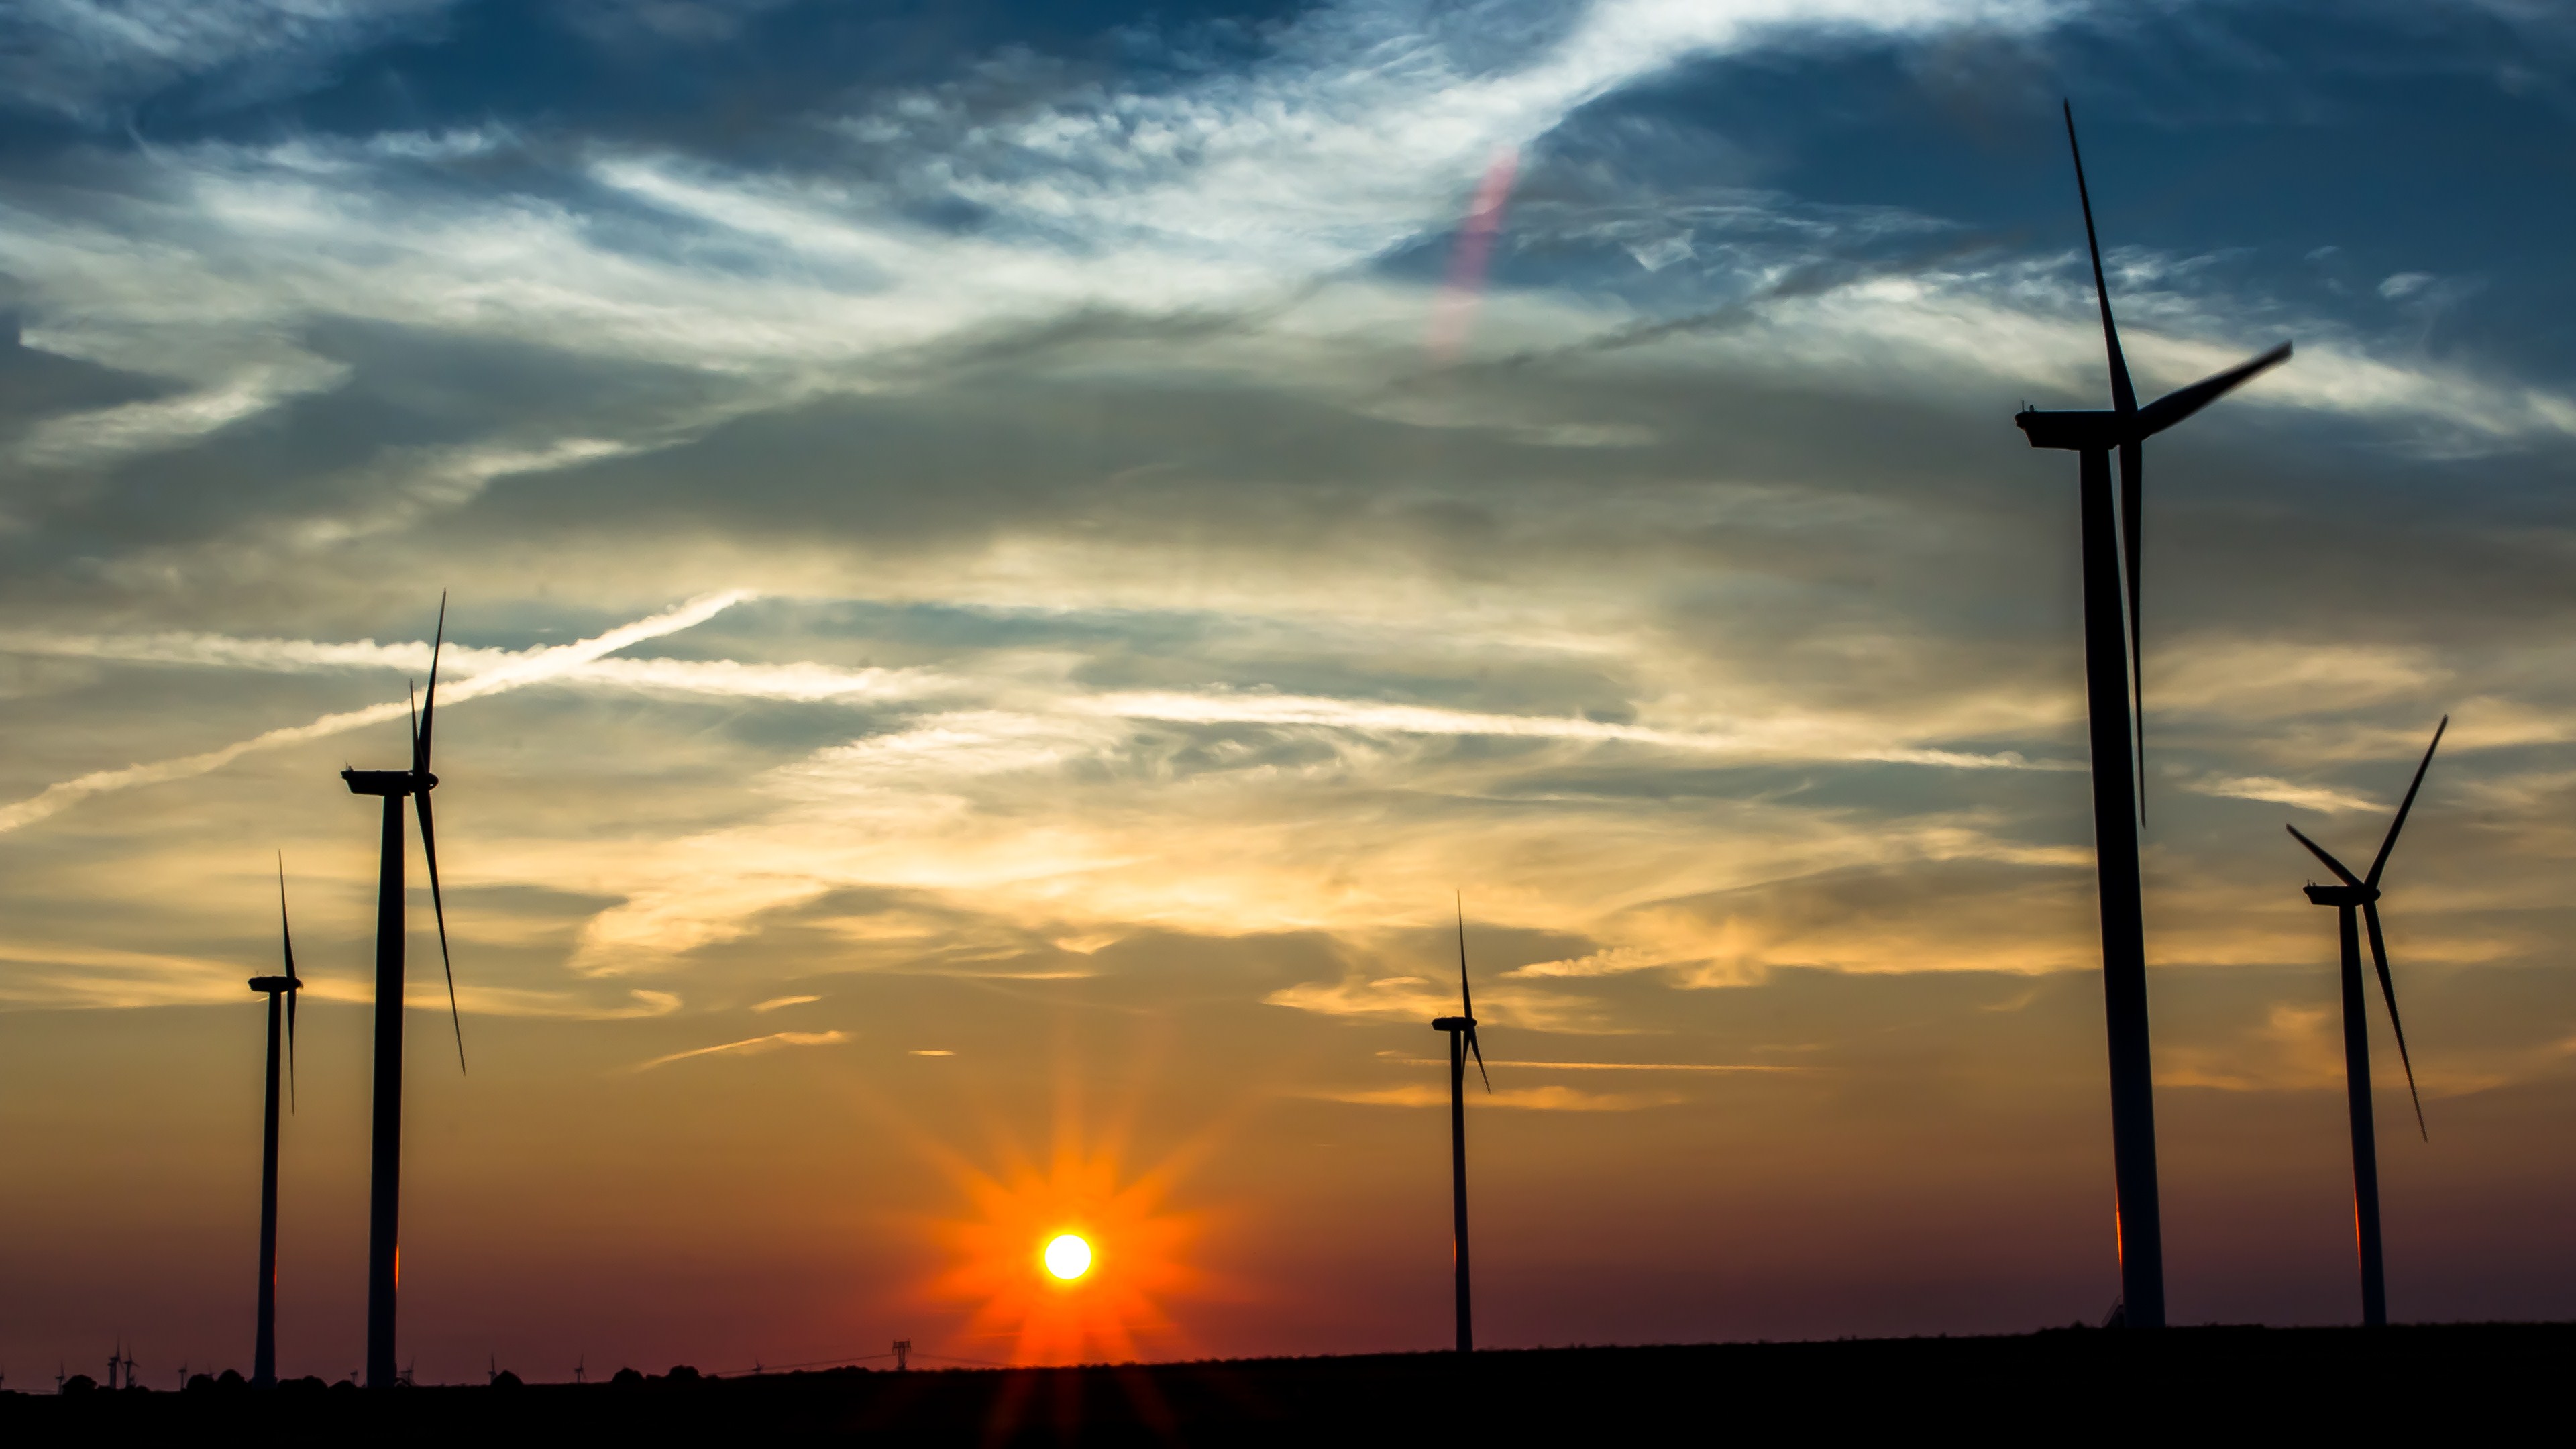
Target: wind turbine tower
[[2361, 896], [1462, 1040], [384, 1183], [2110, 547], [264, 1349]]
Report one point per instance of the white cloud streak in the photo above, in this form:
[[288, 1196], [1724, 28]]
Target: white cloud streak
[[752, 1046], [1774, 738], [1526, 1099], [2320, 798], [514, 672]]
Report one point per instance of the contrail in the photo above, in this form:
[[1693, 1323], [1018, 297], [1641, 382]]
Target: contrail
[[527, 669]]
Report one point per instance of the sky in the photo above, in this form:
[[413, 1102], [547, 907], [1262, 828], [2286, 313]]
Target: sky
[[1009, 567]]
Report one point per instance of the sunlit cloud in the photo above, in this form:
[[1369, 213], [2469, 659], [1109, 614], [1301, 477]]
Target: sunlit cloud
[[1791, 737], [458, 664], [530, 668], [74, 975], [2282, 792], [1412, 998], [1603, 1066], [2298, 1048], [1526, 1099], [750, 1046]]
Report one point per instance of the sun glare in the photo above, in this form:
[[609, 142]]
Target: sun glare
[[1068, 1256], [1024, 1258]]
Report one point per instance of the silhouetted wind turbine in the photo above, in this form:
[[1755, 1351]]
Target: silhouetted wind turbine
[[2110, 554], [384, 1196], [263, 1359], [1462, 1040], [2363, 895]]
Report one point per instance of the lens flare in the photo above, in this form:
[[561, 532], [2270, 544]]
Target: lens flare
[[1454, 310], [1068, 1256], [1022, 1258]]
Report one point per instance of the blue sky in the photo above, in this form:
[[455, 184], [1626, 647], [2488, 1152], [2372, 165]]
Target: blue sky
[[965, 512]]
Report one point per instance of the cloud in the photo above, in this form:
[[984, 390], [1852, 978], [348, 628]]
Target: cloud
[[89, 58], [1236, 191], [2296, 1049], [775, 1002], [752, 1046], [1603, 1066], [83, 975], [2282, 792], [533, 667], [460, 663], [1790, 736], [1527, 1099], [1415, 999]]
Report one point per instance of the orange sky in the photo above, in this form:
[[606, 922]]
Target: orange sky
[[993, 604]]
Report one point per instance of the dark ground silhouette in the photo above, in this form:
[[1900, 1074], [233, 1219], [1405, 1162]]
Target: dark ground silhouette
[[2462, 1382]]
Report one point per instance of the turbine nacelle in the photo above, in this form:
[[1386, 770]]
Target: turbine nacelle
[[1454, 1023], [2342, 895], [389, 782], [271, 985], [2098, 430], [2075, 431]]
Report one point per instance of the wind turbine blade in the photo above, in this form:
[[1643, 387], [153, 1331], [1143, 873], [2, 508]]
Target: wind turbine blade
[[2388, 989], [1466, 998], [2319, 852], [2133, 478], [429, 707], [2124, 398], [429, 852], [2181, 403], [294, 983], [2408, 803]]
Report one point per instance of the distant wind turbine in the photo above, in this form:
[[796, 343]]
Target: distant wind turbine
[[2362, 895], [263, 1370], [384, 1196], [1462, 1040], [2110, 540]]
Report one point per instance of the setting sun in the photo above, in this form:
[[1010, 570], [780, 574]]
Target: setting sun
[[1026, 1254], [1068, 1256]]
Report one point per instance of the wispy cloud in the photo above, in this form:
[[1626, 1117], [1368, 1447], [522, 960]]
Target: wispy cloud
[[1414, 998], [515, 672], [90, 58], [2282, 792], [1605, 1066], [750, 1046], [460, 664], [1526, 1099], [1792, 736]]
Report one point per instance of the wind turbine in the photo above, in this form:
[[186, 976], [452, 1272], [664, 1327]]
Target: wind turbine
[[384, 1195], [263, 1372], [2110, 538], [1462, 1040], [2363, 896]]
